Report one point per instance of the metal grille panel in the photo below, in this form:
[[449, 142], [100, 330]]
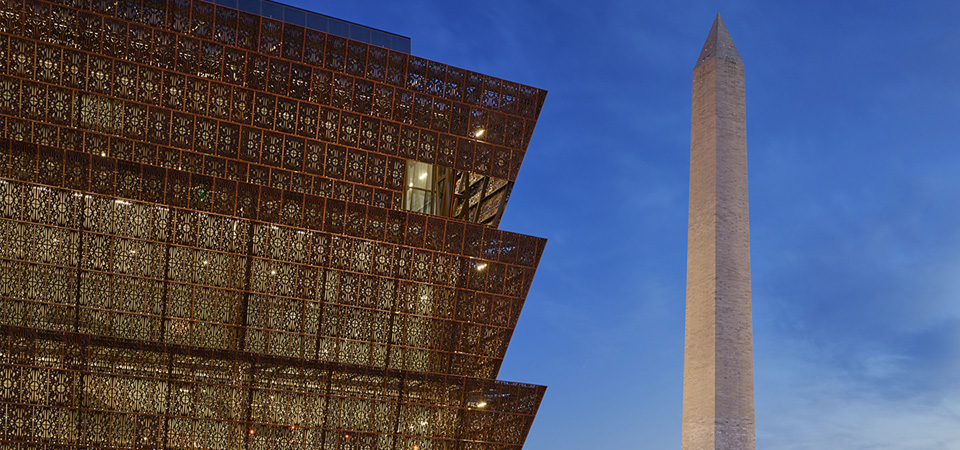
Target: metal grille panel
[[202, 243]]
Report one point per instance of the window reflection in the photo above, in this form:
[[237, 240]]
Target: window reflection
[[441, 191], [420, 190]]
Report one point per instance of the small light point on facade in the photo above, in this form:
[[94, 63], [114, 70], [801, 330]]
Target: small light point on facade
[[478, 133], [481, 266]]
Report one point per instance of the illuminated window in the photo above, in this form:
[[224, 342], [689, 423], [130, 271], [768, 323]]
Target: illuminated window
[[427, 188], [442, 191]]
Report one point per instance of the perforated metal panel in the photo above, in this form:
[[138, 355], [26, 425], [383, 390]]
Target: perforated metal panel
[[202, 243]]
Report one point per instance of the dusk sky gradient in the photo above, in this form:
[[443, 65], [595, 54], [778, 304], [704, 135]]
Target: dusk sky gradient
[[853, 136]]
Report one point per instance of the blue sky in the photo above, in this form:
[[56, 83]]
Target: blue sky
[[853, 122]]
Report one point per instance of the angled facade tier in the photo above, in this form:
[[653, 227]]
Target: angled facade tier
[[222, 230]]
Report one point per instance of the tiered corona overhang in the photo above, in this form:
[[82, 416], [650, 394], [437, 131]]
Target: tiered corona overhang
[[204, 241]]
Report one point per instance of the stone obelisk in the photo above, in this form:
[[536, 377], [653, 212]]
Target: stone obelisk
[[718, 348]]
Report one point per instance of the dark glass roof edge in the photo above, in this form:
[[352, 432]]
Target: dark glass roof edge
[[238, 5], [341, 20]]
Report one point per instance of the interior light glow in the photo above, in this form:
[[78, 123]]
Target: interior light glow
[[423, 176], [481, 266]]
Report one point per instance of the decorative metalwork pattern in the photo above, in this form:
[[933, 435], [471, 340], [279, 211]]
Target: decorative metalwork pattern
[[204, 244], [70, 389], [443, 99], [213, 114]]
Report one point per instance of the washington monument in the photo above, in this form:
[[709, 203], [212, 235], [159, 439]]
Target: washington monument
[[718, 347]]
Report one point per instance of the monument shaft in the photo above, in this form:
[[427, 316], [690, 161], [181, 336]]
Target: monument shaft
[[718, 408]]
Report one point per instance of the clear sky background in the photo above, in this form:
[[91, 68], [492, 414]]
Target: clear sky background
[[853, 135]]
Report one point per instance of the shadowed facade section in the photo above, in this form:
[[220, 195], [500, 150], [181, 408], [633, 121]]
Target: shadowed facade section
[[718, 352]]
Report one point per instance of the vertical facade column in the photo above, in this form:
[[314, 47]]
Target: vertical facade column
[[718, 411]]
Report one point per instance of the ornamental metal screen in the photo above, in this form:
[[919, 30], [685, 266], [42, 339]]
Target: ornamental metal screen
[[203, 242]]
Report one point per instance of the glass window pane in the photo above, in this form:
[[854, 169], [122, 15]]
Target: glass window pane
[[419, 175], [419, 201]]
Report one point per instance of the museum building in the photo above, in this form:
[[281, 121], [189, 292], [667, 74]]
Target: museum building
[[242, 225]]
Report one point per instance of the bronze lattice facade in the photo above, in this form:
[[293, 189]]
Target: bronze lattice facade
[[224, 231]]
